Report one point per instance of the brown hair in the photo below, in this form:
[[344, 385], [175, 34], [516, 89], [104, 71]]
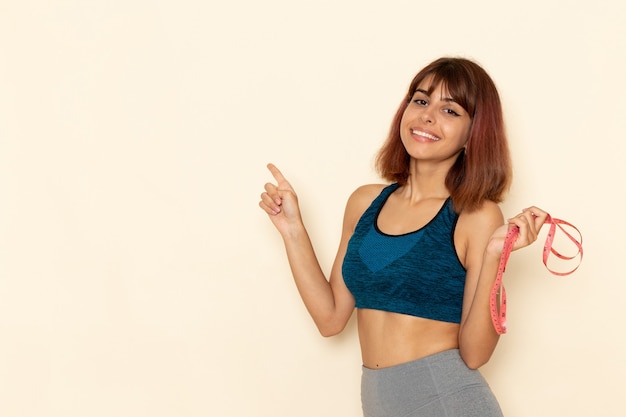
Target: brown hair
[[482, 170]]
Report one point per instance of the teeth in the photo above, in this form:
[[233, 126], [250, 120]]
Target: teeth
[[426, 135]]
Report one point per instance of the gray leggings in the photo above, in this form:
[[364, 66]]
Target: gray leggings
[[440, 385]]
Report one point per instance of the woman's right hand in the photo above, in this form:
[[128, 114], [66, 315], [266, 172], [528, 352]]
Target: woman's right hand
[[280, 202]]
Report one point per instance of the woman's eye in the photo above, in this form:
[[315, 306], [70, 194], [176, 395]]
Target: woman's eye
[[420, 101], [451, 112]]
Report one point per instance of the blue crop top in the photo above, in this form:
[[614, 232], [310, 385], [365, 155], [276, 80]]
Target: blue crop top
[[417, 273]]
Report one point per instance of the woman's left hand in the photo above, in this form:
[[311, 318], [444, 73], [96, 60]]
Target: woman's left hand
[[529, 222]]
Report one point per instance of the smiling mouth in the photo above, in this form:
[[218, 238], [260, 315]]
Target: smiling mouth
[[424, 134]]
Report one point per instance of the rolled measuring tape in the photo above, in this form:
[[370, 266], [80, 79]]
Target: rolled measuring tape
[[497, 301]]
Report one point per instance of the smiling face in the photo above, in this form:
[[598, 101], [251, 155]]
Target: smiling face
[[434, 126]]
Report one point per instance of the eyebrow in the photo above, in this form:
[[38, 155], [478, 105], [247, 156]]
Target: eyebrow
[[448, 99]]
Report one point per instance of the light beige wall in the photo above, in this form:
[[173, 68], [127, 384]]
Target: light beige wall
[[138, 276]]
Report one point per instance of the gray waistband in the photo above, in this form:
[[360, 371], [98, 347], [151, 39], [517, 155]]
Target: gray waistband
[[437, 385]]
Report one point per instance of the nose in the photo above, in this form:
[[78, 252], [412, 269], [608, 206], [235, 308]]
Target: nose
[[427, 116]]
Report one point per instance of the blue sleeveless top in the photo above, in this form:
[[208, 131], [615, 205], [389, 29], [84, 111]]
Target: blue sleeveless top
[[417, 273]]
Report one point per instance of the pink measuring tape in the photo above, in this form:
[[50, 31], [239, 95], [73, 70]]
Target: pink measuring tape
[[497, 301]]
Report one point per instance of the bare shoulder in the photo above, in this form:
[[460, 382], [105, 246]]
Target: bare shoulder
[[480, 222], [367, 192], [361, 199], [364, 195], [487, 210], [489, 213]]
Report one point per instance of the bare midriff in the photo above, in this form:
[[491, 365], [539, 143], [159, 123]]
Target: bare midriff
[[389, 339]]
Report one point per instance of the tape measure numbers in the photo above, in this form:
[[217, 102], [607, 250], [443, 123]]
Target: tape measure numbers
[[497, 300]]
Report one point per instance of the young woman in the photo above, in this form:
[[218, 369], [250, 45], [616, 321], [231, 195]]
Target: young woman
[[418, 257]]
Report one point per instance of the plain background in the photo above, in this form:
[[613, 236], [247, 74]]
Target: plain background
[[138, 277]]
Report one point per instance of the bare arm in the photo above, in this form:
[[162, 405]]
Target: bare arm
[[328, 301], [485, 233]]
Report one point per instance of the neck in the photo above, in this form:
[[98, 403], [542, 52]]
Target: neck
[[427, 181]]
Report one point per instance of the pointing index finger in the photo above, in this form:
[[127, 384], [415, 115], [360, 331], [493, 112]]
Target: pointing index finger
[[276, 173]]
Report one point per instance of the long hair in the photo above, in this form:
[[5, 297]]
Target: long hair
[[482, 170]]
